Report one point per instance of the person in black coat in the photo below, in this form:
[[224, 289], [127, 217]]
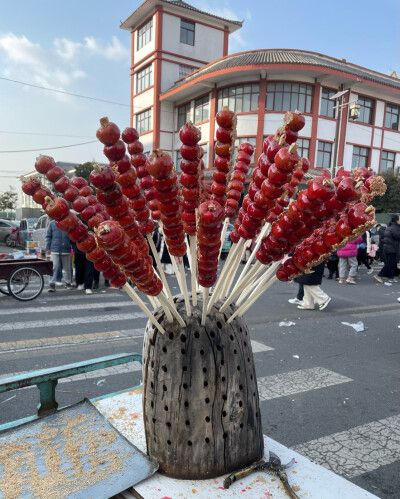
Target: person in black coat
[[312, 291], [391, 248]]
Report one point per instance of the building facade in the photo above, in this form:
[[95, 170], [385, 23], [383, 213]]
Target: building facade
[[181, 71]]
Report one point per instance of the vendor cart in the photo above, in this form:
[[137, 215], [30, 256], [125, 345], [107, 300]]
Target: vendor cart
[[23, 278]]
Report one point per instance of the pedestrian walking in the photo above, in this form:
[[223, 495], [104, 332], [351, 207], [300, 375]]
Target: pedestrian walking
[[381, 234], [58, 247], [333, 265], [84, 271], [312, 290], [348, 262], [362, 251], [391, 246]]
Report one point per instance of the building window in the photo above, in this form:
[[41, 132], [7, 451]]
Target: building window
[[185, 70], [143, 121], [326, 103], [366, 111], [145, 34], [201, 109], [240, 140], [360, 157], [304, 148], [187, 32], [144, 78], [289, 97], [392, 117], [184, 115], [240, 99], [178, 161], [324, 154], [387, 161]]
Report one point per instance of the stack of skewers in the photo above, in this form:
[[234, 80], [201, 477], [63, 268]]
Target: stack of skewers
[[133, 190]]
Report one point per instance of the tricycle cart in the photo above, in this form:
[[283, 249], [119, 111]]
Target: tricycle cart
[[23, 279]]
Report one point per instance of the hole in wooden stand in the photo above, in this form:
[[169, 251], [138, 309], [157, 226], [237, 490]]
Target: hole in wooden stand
[[196, 334], [207, 419], [231, 337], [183, 338], [240, 387], [224, 414], [225, 435], [184, 368], [223, 378], [240, 403], [207, 400], [204, 369], [164, 349], [212, 334], [238, 368], [207, 440], [186, 404], [189, 443], [164, 388], [224, 397], [171, 336], [219, 348], [169, 442], [166, 408], [185, 385], [201, 352], [205, 383], [187, 423], [169, 424], [164, 368], [183, 351], [241, 425]]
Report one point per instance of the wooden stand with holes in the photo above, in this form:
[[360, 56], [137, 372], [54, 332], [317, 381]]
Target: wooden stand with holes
[[200, 398]]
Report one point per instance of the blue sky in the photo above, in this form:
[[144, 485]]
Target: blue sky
[[78, 47]]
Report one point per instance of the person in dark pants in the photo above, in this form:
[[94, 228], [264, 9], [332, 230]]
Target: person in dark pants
[[83, 271], [381, 234], [362, 255], [391, 245], [333, 265]]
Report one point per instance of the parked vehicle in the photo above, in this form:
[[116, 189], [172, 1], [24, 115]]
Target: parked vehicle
[[39, 234], [6, 228], [26, 228]]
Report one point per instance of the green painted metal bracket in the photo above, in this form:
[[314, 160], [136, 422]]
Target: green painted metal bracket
[[46, 379]]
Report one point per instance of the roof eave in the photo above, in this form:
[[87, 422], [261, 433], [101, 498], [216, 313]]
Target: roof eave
[[130, 23]]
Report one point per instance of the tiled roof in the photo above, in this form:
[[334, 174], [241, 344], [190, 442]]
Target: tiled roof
[[287, 56], [190, 7]]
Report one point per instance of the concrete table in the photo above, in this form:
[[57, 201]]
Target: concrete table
[[309, 480]]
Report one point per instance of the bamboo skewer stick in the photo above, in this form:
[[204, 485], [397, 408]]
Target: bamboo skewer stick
[[139, 302], [159, 266], [252, 256], [249, 289], [154, 302], [193, 266], [220, 282], [179, 262], [253, 274], [171, 306], [206, 294], [253, 298], [235, 266], [224, 229]]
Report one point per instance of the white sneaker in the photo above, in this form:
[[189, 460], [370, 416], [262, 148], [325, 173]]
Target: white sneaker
[[370, 271], [398, 299], [295, 301], [88, 291], [80, 287]]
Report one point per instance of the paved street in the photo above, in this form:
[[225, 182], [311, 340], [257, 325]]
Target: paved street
[[327, 391]]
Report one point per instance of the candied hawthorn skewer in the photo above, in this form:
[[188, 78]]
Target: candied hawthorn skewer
[[161, 167], [117, 206], [208, 243], [190, 180]]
